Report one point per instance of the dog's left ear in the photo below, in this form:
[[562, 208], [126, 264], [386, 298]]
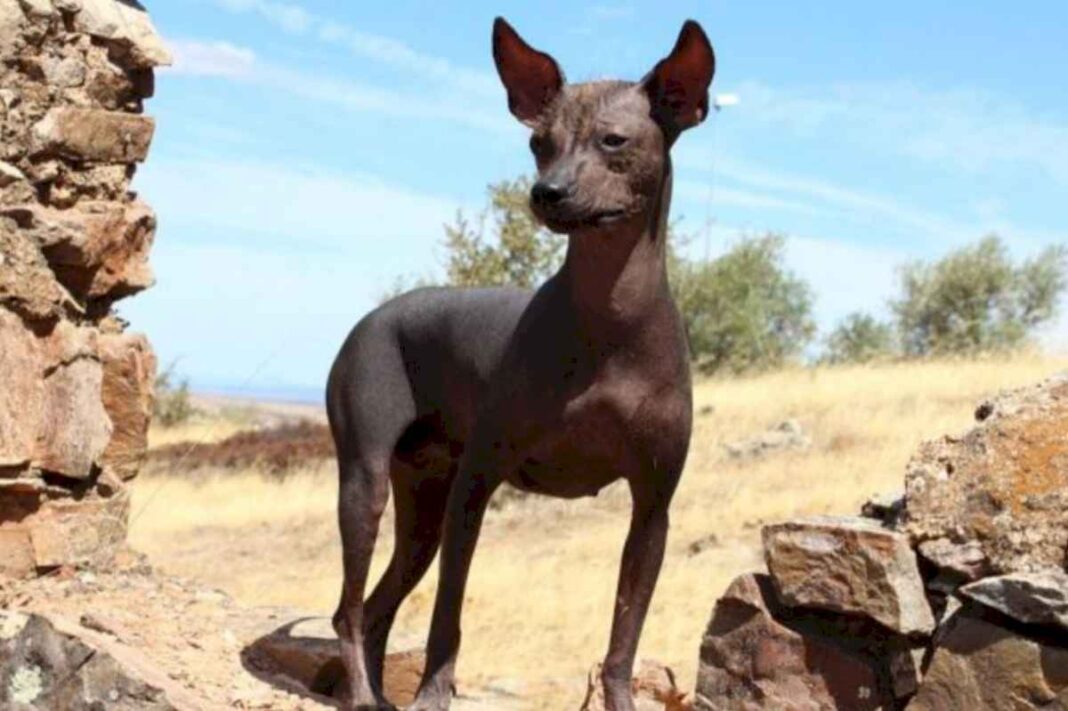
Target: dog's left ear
[[532, 78], [678, 85]]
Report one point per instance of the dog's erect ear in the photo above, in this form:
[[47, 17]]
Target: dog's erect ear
[[532, 78], [678, 85]]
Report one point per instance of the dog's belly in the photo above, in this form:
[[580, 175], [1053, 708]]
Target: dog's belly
[[570, 479], [580, 458]]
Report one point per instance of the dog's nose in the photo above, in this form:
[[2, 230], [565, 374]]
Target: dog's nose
[[548, 193]]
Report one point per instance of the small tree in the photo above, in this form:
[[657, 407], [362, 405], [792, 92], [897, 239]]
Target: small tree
[[975, 299], [172, 404], [858, 338], [522, 253], [744, 310]]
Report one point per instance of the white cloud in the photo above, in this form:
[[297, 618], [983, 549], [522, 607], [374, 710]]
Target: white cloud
[[294, 18], [210, 58], [220, 59], [960, 128]]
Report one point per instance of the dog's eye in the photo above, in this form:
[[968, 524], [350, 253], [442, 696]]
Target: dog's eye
[[613, 140], [538, 144]]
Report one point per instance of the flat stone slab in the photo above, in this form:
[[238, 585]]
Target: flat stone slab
[[94, 135], [848, 565], [1032, 598]]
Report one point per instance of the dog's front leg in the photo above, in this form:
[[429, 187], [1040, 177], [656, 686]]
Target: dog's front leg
[[470, 494], [642, 557]]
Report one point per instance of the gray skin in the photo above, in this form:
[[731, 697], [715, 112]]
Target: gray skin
[[446, 393]]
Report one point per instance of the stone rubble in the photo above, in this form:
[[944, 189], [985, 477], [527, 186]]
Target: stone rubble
[[846, 618], [74, 239]]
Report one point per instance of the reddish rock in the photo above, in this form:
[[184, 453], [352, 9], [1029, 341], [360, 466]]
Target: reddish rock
[[126, 392], [94, 135], [848, 565], [27, 286], [98, 249], [653, 687], [51, 416], [750, 661]]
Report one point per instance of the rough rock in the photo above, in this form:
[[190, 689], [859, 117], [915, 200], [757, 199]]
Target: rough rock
[[851, 566], [980, 665], [1003, 484], [1031, 598], [9, 174], [955, 563], [94, 135], [11, 21], [98, 249], [126, 393], [124, 22], [42, 667], [783, 436], [38, 8], [52, 416], [653, 687], [61, 530], [750, 661]]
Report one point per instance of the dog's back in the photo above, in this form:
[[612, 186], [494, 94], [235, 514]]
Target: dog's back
[[428, 353]]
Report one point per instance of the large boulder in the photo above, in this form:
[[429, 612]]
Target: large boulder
[[44, 668], [1003, 484], [751, 661], [851, 566], [981, 665]]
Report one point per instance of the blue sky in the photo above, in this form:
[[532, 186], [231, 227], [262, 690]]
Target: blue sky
[[308, 152]]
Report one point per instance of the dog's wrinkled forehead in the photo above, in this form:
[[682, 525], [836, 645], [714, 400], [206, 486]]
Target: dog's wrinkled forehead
[[582, 109]]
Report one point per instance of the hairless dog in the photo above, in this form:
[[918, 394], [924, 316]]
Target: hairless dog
[[446, 393]]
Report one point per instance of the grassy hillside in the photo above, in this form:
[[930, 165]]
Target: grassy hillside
[[543, 581]]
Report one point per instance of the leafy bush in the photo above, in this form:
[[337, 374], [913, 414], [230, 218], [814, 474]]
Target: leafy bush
[[859, 338], [743, 310], [975, 299]]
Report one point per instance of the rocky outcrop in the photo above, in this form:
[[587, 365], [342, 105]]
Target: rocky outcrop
[[1002, 486], [73, 240], [846, 617]]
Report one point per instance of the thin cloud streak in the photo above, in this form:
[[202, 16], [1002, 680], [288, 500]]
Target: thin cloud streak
[[295, 19]]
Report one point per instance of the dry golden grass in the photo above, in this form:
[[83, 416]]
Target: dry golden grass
[[542, 585]]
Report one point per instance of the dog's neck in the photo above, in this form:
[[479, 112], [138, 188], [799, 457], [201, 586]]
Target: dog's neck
[[615, 277]]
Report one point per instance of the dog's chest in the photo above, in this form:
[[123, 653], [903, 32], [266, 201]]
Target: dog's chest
[[584, 450]]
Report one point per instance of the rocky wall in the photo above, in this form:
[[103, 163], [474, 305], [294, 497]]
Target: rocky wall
[[75, 386]]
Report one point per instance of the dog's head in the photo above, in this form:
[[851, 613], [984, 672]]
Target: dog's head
[[601, 147]]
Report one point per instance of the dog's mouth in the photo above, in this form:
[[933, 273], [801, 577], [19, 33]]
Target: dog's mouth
[[559, 222]]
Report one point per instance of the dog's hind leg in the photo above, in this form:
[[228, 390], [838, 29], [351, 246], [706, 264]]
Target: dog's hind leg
[[370, 404], [419, 504]]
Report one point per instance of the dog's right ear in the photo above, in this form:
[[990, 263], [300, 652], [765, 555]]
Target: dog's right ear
[[532, 78]]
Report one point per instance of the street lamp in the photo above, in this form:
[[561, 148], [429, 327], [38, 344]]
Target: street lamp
[[719, 102]]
